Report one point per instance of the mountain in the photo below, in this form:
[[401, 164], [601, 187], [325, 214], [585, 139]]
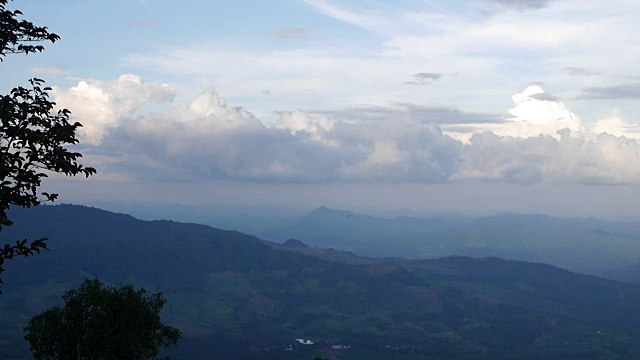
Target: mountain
[[628, 273], [347, 230], [238, 297], [584, 245], [327, 223], [295, 243]]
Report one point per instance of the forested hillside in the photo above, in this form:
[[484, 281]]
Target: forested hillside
[[237, 296]]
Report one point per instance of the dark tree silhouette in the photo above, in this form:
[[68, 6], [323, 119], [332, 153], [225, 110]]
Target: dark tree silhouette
[[19, 36], [102, 323], [33, 138]]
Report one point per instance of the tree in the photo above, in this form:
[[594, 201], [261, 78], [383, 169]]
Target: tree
[[102, 323], [33, 138], [17, 36]]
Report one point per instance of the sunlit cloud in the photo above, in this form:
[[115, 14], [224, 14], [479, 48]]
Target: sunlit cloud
[[540, 140], [103, 105]]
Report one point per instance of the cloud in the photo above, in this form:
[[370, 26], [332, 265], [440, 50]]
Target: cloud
[[49, 71], [440, 115], [381, 45], [401, 152], [616, 125], [424, 78], [299, 121], [547, 143], [211, 113], [536, 113], [288, 33], [366, 20], [607, 159], [104, 105], [544, 97], [542, 141], [623, 91], [298, 147], [580, 71], [532, 4], [211, 139]]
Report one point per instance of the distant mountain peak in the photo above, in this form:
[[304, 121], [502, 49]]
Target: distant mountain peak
[[325, 211], [295, 243]]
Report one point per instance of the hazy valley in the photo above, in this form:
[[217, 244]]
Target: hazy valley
[[587, 245], [240, 297]]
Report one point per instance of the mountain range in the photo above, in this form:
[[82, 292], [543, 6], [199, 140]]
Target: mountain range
[[579, 244], [236, 296]]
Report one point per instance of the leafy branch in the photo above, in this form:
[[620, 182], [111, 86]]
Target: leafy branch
[[34, 138]]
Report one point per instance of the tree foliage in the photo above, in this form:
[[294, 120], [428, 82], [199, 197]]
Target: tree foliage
[[33, 137], [102, 323], [20, 36]]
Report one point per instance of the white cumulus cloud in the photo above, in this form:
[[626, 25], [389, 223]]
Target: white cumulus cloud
[[541, 141], [534, 114], [103, 105]]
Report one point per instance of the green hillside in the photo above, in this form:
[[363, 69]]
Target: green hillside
[[236, 296]]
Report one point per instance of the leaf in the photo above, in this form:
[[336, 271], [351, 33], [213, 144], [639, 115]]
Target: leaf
[[40, 136]]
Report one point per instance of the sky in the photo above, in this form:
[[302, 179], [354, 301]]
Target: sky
[[474, 106]]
